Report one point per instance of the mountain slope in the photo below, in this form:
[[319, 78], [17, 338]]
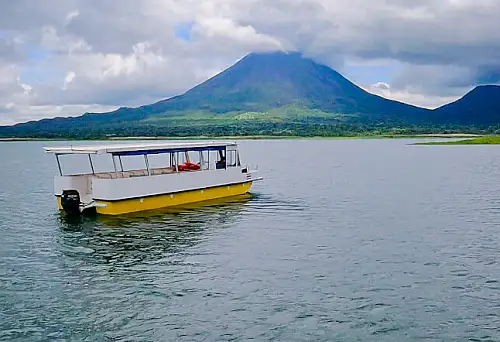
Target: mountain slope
[[481, 106], [260, 82]]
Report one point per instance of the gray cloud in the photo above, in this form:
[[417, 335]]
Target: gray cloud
[[68, 55], [11, 50], [488, 74]]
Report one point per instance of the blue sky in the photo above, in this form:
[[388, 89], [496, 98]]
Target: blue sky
[[37, 53], [370, 74], [183, 31]]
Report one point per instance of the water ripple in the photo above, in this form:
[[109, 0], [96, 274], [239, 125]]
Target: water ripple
[[383, 242]]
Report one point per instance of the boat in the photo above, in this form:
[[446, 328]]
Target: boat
[[186, 173]]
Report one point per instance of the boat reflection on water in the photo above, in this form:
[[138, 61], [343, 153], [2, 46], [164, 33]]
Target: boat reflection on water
[[147, 236]]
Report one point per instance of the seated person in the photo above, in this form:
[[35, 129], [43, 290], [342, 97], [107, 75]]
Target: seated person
[[221, 164]]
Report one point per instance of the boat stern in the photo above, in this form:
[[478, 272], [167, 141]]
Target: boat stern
[[73, 193], [251, 173]]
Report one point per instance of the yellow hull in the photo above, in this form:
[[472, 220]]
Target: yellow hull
[[168, 200]]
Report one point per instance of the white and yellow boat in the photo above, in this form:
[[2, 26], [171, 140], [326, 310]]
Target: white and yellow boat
[[190, 172]]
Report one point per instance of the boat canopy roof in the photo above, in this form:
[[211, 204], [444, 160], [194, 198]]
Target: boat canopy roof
[[142, 148]]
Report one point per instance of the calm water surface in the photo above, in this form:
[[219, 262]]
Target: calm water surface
[[371, 240]]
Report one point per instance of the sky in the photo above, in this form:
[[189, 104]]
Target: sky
[[68, 57]]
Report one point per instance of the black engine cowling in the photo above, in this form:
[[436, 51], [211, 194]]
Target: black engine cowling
[[70, 201]]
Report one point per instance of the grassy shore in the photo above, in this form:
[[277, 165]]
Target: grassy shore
[[488, 140]]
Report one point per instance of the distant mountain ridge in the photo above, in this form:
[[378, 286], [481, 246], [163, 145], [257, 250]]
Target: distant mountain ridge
[[479, 106], [280, 88]]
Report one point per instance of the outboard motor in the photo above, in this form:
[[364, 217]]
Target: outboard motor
[[70, 201]]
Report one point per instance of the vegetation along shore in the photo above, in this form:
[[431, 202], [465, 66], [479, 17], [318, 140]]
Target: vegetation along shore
[[486, 140]]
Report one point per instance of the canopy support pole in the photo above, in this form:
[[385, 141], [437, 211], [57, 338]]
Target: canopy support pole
[[59, 164], [147, 164], [91, 165], [114, 164]]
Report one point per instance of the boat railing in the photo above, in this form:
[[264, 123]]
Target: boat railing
[[138, 173], [144, 172], [129, 173], [252, 167]]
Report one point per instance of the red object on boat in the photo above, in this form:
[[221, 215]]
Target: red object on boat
[[188, 166]]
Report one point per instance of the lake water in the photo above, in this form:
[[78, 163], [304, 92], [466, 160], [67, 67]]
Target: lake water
[[347, 240]]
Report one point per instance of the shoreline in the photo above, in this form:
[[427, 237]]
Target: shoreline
[[260, 137], [484, 140]]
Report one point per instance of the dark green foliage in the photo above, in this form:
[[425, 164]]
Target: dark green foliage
[[319, 129]]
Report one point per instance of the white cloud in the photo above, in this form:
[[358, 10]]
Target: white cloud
[[383, 86], [27, 89], [229, 30], [68, 79], [70, 55], [408, 96], [27, 112], [72, 15]]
